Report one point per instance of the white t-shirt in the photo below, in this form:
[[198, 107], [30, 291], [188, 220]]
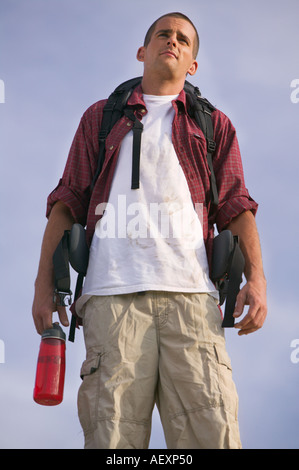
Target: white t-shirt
[[149, 238]]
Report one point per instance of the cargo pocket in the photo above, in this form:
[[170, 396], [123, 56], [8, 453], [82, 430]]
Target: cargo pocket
[[226, 384], [90, 365], [89, 392]]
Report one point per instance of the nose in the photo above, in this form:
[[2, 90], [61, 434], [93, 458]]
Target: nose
[[172, 41]]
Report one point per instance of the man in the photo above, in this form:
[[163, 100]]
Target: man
[[151, 322]]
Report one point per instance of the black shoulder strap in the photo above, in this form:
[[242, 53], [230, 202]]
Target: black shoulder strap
[[112, 112], [202, 112], [61, 271], [227, 269]]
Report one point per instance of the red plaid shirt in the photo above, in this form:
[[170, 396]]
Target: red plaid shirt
[[190, 146]]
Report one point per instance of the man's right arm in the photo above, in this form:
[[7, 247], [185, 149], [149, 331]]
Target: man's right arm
[[43, 307]]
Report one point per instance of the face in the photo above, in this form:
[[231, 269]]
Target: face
[[169, 54]]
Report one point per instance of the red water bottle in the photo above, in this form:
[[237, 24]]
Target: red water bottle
[[50, 371]]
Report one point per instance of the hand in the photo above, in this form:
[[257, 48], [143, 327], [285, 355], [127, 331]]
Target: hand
[[43, 308], [254, 295]]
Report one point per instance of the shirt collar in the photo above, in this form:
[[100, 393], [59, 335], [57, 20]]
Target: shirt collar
[[136, 99]]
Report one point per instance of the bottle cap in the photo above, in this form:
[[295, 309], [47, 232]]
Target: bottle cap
[[55, 332]]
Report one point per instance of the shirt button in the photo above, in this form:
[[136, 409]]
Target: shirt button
[[129, 124], [143, 110], [111, 147]]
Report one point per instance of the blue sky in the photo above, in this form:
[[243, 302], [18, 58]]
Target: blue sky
[[59, 57]]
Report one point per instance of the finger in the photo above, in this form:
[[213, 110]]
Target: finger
[[63, 316], [253, 321], [247, 331], [254, 307], [249, 328], [240, 304], [43, 321]]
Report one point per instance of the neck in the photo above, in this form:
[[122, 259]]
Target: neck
[[161, 87]]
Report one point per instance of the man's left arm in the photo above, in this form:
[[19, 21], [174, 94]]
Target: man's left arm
[[253, 292]]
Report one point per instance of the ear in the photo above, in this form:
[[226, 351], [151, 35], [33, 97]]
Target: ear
[[140, 54], [193, 68]]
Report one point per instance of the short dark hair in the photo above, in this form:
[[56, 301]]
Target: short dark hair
[[174, 15]]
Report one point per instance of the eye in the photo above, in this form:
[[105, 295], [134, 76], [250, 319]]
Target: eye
[[185, 41]]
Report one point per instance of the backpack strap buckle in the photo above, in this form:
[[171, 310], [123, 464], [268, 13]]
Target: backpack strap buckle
[[211, 145], [102, 135], [59, 298]]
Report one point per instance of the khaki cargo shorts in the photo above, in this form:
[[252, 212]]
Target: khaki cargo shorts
[[163, 348]]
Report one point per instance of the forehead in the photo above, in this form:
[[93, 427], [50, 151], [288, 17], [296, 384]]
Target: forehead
[[176, 25]]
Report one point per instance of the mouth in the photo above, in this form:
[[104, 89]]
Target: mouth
[[169, 53]]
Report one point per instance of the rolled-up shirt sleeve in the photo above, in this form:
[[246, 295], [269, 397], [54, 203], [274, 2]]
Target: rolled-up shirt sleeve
[[71, 198], [73, 188], [234, 197]]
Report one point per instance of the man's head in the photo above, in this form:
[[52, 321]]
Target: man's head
[[168, 54], [174, 15]]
